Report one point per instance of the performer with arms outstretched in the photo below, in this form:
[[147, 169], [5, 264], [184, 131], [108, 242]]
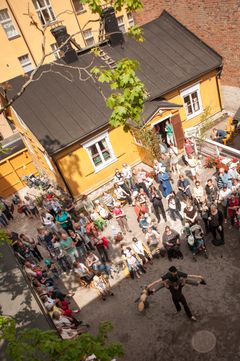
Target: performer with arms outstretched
[[175, 280]]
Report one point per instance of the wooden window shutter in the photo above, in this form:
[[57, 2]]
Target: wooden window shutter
[[178, 131]]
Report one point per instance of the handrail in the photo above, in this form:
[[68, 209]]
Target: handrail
[[220, 149]]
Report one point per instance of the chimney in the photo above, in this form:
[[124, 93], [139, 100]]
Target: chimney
[[61, 35], [111, 27]]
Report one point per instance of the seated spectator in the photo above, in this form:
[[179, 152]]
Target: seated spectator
[[83, 272], [93, 262], [144, 222], [218, 135], [153, 240], [102, 285], [134, 266], [141, 250], [171, 241], [65, 325], [121, 194], [108, 201], [31, 270], [102, 210], [97, 219]]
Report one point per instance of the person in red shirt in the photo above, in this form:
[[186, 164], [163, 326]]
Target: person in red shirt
[[188, 146], [121, 218], [233, 204]]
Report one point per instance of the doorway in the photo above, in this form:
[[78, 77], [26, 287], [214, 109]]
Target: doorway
[[160, 130]]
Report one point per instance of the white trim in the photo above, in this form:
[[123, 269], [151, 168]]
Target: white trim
[[187, 92], [161, 120], [95, 140]]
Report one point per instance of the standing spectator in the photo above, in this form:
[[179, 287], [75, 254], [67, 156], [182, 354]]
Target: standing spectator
[[211, 192], [47, 239], [233, 204], [191, 213], [174, 206], [224, 194], [64, 220], [173, 152], [87, 204], [165, 185], [138, 178], [3, 218], [183, 185], [98, 220], [140, 209], [216, 225], [194, 166], [121, 218], [171, 241], [101, 247], [223, 179], [127, 175], [61, 256], [79, 243], [7, 209], [188, 147], [31, 205], [68, 246], [156, 200], [198, 193], [32, 244], [48, 221], [119, 179], [169, 132]]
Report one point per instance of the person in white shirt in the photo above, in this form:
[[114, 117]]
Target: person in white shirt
[[153, 239], [48, 221], [198, 193], [223, 196], [127, 175]]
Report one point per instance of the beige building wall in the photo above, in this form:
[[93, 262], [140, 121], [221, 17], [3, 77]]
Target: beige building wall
[[25, 39]]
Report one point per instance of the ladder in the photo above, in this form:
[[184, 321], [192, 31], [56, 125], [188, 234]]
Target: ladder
[[107, 59]]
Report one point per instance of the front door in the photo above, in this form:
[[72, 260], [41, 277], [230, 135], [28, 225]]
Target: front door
[[178, 131]]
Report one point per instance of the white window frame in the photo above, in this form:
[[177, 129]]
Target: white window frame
[[188, 92], [82, 10], [39, 10], [56, 51], [121, 24], [130, 20], [6, 22], [93, 141], [27, 65], [90, 37]]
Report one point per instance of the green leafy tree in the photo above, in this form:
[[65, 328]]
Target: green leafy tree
[[37, 345]]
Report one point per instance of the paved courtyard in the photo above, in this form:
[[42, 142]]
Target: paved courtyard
[[160, 333]]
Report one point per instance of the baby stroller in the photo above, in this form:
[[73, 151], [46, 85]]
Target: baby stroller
[[195, 240]]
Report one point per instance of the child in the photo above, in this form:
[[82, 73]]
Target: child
[[102, 285]]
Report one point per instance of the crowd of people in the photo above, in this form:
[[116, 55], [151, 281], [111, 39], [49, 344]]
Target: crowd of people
[[75, 240]]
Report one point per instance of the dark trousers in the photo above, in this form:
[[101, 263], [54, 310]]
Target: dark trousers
[[64, 264], [183, 301], [36, 253], [103, 254], [174, 213], [158, 208], [215, 232]]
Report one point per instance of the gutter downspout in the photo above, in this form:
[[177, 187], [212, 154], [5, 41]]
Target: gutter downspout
[[62, 177], [218, 90], [75, 14], [16, 21]]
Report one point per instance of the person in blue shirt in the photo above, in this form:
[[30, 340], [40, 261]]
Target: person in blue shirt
[[218, 135]]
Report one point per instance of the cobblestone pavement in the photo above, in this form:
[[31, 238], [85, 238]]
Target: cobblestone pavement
[[160, 333]]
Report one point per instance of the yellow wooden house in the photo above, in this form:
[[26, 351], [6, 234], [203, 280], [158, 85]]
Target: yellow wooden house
[[64, 121]]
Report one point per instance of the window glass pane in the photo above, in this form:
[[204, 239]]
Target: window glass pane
[[104, 148], [95, 155], [121, 25], [78, 6], [187, 105], [130, 19], [7, 24], [196, 105]]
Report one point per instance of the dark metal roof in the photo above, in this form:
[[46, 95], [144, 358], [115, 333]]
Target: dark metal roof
[[237, 115], [61, 112]]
